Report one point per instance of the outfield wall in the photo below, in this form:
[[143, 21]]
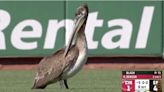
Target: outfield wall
[[34, 29]]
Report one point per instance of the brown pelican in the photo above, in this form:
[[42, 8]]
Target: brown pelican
[[66, 62]]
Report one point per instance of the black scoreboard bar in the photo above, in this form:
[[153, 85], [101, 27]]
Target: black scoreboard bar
[[142, 72]]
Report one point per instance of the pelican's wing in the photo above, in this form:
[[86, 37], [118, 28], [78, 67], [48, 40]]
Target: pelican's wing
[[50, 68], [45, 70]]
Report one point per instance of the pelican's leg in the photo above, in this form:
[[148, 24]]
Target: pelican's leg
[[66, 85], [61, 84]]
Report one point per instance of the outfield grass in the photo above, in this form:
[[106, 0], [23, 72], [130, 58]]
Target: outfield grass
[[85, 81]]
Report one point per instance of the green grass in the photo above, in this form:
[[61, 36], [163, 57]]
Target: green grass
[[85, 81]]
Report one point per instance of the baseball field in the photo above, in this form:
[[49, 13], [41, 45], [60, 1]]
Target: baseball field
[[97, 80], [86, 81]]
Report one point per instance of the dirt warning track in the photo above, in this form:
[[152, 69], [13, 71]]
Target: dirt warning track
[[116, 63]]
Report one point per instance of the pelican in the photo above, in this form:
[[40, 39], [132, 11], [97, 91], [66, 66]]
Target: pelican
[[66, 62]]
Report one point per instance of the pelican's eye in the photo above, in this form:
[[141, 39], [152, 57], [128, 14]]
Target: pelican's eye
[[82, 11]]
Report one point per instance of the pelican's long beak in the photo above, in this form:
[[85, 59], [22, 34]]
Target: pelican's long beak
[[79, 21]]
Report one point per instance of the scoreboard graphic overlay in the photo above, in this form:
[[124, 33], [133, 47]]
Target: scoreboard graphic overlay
[[141, 81]]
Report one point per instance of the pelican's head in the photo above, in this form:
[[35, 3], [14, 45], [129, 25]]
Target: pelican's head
[[81, 15], [81, 12]]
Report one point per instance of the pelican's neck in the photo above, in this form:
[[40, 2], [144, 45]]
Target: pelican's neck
[[81, 42]]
